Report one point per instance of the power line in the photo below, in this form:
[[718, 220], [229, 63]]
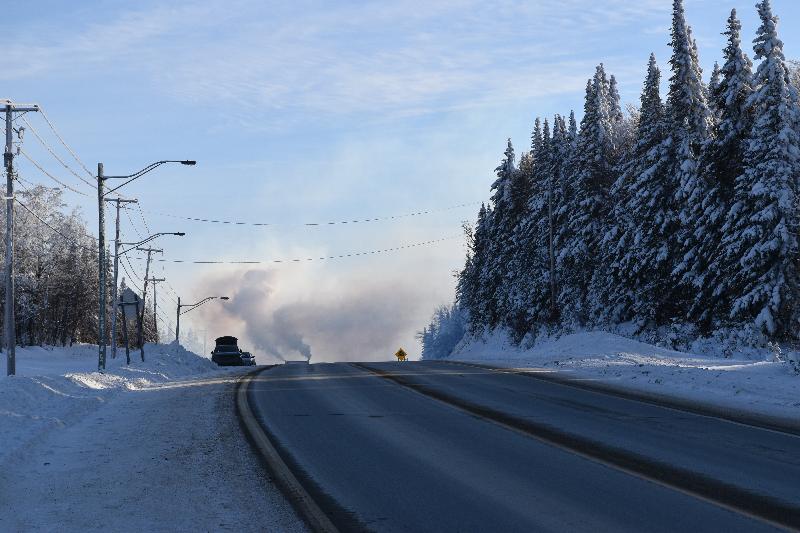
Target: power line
[[329, 223], [57, 158], [172, 290], [141, 214], [130, 219], [21, 183], [43, 171], [307, 259], [63, 143], [54, 230], [135, 286]]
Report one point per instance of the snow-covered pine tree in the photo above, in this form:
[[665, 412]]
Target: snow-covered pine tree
[[713, 88], [615, 105], [559, 152], [469, 288], [524, 279], [639, 258], [537, 228], [588, 206], [763, 222], [573, 129], [503, 219], [55, 263], [690, 124], [721, 164], [520, 257], [565, 200]]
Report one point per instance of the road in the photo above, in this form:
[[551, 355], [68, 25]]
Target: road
[[444, 447]]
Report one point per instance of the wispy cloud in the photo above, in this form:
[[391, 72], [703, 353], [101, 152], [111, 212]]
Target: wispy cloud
[[398, 59]]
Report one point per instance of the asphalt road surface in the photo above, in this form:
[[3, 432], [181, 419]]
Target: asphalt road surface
[[444, 447]]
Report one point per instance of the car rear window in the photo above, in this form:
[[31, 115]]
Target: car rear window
[[224, 348]]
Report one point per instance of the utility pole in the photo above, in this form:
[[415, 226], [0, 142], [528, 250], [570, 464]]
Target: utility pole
[[155, 282], [114, 288], [150, 252], [9, 336], [101, 267], [178, 322], [125, 331]]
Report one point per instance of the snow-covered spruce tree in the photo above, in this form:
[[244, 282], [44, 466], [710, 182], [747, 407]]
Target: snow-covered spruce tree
[[638, 252], [514, 259], [559, 155], [794, 73], [468, 287], [533, 280], [720, 165], [504, 215], [446, 329], [713, 88], [761, 235], [614, 102], [588, 206], [564, 200], [690, 122], [522, 257], [573, 129]]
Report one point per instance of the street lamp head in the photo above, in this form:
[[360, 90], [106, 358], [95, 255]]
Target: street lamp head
[[179, 233], [224, 298], [189, 162]]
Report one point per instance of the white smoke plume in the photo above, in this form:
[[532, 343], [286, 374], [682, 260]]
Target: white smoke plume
[[307, 312]]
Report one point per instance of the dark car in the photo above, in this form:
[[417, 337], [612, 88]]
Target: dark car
[[228, 353]]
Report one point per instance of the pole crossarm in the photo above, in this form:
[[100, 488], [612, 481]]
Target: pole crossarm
[[18, 107], [122, 200]]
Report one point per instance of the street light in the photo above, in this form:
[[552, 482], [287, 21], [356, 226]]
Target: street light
[[115, 287], [133, 245], [191, 307], [101, 241]]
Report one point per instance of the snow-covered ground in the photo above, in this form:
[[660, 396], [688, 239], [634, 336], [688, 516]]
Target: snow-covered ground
[[752, 383], [153, 446]]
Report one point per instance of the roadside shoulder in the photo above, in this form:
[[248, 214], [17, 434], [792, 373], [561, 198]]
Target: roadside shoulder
[[674, 401]]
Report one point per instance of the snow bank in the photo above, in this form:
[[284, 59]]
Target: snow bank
[[754, 384], [56, 387]]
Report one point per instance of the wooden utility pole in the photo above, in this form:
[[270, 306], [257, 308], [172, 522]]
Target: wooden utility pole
[[150, 252], [125, 331], [10, 336], [155, 282], [114, 288]]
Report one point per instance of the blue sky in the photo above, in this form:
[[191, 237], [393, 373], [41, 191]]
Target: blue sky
[[313, 111]]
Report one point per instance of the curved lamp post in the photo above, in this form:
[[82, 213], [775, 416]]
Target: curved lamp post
[[101, 241], [191, 307], [115, 286]]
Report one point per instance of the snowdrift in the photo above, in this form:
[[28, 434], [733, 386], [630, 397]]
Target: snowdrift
[[55, 387], [761, 384]]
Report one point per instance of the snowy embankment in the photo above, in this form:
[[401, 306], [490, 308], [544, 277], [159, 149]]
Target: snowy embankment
[[84, 451], [55, 387], [754, 383]]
